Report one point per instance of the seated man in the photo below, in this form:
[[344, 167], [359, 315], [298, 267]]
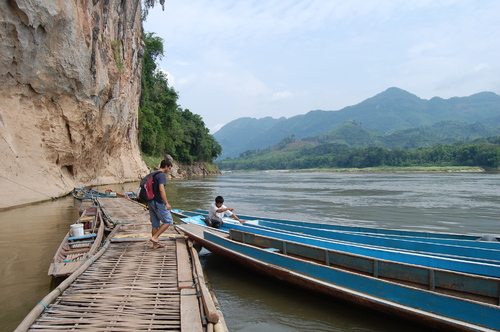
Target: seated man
[[217, 211]]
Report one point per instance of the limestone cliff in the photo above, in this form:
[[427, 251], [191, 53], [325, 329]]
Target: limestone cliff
[[69, 93]]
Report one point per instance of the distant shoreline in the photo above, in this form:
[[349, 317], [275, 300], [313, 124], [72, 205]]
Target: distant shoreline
[[411, 169], [382, 169]]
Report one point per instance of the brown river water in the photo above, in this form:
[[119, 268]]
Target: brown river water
[[448, 202]]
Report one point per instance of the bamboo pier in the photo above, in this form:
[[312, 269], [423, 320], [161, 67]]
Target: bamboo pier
[[128, 286]]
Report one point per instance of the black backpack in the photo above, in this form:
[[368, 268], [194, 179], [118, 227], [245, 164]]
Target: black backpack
[[146, 194]]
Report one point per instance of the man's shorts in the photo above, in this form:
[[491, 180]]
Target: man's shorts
[[158, 212]]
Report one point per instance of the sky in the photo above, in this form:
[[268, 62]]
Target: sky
[[229, 59]]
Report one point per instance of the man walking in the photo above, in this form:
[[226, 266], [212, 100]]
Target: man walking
[[159, 209]]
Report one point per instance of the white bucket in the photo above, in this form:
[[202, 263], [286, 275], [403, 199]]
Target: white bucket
[[77, 230]]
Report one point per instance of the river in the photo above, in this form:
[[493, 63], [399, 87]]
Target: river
[[449, 202]]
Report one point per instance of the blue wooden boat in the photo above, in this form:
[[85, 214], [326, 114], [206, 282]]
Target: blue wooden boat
[[466, 240], [461, 250], [438, 298], [429, 255]]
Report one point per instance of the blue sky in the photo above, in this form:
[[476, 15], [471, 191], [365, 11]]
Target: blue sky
[[229, 59]]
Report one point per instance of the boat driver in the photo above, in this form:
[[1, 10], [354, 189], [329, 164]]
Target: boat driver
[[217, 211]]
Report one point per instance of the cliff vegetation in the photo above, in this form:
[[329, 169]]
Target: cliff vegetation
[[165, 127]]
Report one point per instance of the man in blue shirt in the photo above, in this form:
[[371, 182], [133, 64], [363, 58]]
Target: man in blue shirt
[[159, 209]]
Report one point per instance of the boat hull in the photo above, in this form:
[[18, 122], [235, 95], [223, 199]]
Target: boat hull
[[430, 255], [74, 251], [427, 308]]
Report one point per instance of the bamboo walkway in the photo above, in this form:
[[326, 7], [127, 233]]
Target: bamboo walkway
[[133, 287]]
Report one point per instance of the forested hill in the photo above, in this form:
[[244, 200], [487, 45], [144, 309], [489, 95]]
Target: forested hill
[[387, 112]]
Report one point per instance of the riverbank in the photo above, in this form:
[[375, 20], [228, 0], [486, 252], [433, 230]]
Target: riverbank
[[412, 169], [382, 169]]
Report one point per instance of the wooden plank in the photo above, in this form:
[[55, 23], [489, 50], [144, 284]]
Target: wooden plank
[[190, 313], [184, 269]]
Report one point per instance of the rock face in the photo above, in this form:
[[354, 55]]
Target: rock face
[[70, 85]]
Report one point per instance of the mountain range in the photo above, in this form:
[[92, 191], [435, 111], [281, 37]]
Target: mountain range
[[388, 114]]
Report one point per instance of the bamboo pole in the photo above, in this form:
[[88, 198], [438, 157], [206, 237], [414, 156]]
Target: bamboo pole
[[208, 304], [221, 325]]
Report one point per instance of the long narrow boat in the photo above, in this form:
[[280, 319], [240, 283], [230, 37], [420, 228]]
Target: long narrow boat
[[83, 193], [75, 250], [460, 250], [426, 256], [434, 297], [380, 231], [469, 240]]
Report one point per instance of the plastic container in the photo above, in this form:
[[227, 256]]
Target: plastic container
[[77, 230]]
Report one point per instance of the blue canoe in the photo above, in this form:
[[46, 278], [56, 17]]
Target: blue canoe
[[462, 250], [425, 256], [449, 238], [431, 296], [479, 251], [462, 240]]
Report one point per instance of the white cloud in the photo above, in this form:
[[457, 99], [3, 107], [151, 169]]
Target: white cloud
[[170, 77], [282, 95], [419, 49], [216, 128], [479, 78], [187, 80]]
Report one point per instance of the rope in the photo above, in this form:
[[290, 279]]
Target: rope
[[28, 187]]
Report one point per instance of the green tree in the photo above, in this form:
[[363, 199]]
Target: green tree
[[164, 127]]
